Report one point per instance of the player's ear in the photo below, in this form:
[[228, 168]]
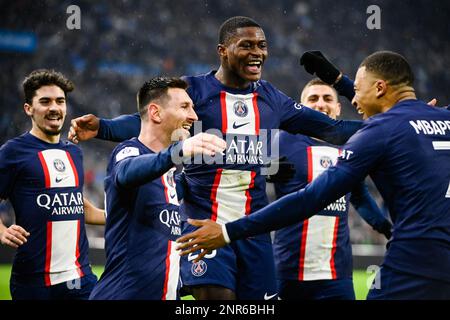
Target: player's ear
[[221, 50], [154, 112], [381, 87], [28, 109], [338, 109]]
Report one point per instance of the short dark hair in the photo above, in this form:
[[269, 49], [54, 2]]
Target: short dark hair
[[391, 66], [156, 89], [229, 27], [318, 82], [44, 77]]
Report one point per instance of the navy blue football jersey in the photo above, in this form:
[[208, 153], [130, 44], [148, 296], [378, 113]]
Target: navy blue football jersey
[[317, 248], [142, 224], [406, 151], [246, 119], [234, 187], [44, 183]]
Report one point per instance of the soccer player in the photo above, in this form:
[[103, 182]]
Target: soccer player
[[237, 104], [42, 177], [404, 145], [143, 218], [313, 258]]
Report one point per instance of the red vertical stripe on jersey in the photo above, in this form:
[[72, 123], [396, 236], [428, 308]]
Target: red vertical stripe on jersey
[[166, 278], [256, 110], [214, 194], [74, 169], [301, 261], [48, 254], [310, 164], [223, 106], [333, 251], [44, 167], [165, 189], [247, 192], [77, 251]]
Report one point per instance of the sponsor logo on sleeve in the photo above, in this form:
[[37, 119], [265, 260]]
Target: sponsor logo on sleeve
[[126, 153]]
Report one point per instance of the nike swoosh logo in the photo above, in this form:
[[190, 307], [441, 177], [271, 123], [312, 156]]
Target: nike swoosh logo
[[172, 195], [266, 297], [237, 126], [59, 179]]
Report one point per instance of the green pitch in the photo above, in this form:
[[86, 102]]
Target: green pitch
[[359, 281]]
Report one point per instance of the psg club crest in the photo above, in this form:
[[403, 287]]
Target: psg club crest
[[240, 109], [199, 268], [59, 165], [326, 162]]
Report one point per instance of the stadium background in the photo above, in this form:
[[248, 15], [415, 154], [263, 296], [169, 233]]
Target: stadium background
[[123, 43]]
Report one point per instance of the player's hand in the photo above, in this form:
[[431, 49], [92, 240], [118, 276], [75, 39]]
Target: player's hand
[[315, 62], [203, 143], [286, 170], [432, 102], [14, 236], [208, 237], [83, 128]]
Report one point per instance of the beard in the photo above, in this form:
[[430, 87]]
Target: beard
[[51, 132]]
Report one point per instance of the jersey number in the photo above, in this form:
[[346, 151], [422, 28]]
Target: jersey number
[[211, 255], [443, 145]]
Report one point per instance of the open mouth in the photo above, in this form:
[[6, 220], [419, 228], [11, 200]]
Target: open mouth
[[187, 126], [360, 111], [53, 118], [254, 66]]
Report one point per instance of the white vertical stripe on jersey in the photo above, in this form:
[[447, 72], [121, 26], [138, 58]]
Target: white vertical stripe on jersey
[[63, 258], [318, 249], [320, 232], [173, 272], [59, 168], [231, 196], [241, 124]]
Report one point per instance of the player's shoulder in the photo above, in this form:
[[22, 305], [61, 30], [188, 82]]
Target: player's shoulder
[[70, 146], [264, 85], [126, 149], [15, 143], [197, 80]]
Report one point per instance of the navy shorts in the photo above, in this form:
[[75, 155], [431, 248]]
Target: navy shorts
[[340, 289], [395, 285], [245, 266], [77, 289]]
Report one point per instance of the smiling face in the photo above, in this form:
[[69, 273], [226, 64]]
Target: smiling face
[[367, 92], [244, 54], [47, 111], [177, 111], [322, 98]]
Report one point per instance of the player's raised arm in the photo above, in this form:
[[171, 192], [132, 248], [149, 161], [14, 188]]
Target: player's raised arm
[[117, 129], [83, 128], [315, 124], [92, 214], [316, 63], [135, 171], [14, 236]]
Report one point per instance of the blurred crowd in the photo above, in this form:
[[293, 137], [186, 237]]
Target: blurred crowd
[[122, 43]]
